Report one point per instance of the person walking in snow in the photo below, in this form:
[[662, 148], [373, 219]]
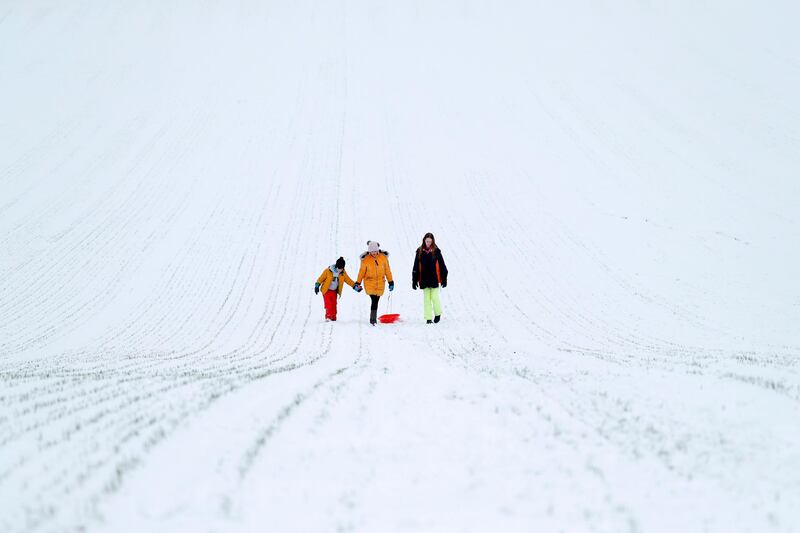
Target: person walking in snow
[[330, 284], [374, 270], [429, 274]]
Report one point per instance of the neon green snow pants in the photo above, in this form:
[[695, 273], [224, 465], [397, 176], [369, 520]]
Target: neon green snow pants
[[432, 304]]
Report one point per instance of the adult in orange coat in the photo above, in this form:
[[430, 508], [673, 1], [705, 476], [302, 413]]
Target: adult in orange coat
[[374, 272]]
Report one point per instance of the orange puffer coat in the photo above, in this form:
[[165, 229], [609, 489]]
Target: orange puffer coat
[[326, 278], [373, 272]]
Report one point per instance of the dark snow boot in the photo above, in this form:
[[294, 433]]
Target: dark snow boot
[[437, 318], [373, 316], [429, 322]]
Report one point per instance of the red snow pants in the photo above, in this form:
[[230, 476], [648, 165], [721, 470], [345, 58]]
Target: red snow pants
[[330, 304]]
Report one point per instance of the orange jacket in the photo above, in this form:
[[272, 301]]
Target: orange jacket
[[326, 278], [373, 272]]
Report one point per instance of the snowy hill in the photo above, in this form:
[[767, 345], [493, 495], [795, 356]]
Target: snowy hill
[[614, 186]]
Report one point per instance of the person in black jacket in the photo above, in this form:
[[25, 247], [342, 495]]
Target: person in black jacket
[[429, 274]]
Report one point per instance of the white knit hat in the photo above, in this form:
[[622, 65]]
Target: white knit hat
[[373, 246]]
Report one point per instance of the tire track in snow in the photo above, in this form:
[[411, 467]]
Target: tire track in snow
[[155, 423]]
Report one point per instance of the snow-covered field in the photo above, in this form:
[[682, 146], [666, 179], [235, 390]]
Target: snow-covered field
[[615, 187]]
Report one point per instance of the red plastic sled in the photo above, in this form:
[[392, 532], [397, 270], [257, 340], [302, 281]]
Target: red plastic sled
[[390, 318]]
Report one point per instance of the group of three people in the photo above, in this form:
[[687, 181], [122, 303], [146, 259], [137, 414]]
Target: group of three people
[[429, 274]]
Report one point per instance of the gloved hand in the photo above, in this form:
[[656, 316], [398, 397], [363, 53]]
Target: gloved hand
[[357, 287], [391, 286], [414, 284], [444, 283], [316, 288]]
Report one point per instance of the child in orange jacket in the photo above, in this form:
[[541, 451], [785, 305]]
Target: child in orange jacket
[[330, 284]]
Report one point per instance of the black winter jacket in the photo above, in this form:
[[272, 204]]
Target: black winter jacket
[[425, 271]]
